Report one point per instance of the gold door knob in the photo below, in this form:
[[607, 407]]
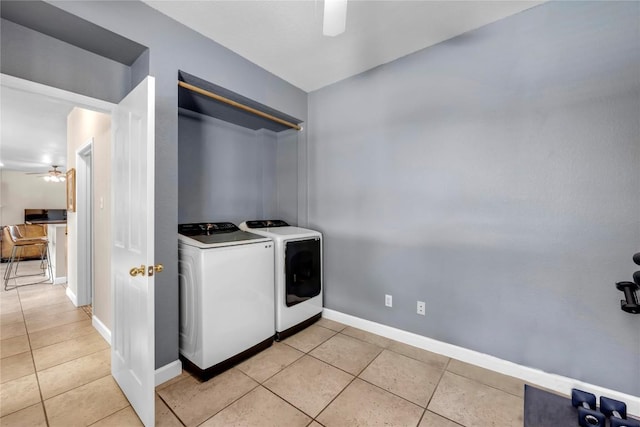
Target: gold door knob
[[155, 268], [137, 270]]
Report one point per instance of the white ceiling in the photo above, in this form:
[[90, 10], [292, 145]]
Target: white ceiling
[[285, 37]]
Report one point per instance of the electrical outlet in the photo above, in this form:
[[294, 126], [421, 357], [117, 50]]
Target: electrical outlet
[[421, 308], [388, 300]]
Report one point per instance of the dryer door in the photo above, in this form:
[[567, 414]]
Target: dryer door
[[303, 270]]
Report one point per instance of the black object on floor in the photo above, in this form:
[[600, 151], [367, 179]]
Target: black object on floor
[[544, 409], [588, 415], [630, 301]]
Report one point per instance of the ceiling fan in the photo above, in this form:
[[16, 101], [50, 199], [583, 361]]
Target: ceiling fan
[[335, 17], [54, 175]]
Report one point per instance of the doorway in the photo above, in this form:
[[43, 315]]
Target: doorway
[[91, 158], [85, 235], [111, 154]]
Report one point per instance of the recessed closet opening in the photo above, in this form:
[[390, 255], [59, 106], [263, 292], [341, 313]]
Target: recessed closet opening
[[234, 164]]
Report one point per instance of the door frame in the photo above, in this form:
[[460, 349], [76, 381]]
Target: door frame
[[80, 101], [84, 223]]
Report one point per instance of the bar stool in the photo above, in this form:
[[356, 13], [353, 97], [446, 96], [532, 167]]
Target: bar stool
[[19, 243]]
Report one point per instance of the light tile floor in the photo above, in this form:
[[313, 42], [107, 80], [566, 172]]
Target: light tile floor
[[55, 371]]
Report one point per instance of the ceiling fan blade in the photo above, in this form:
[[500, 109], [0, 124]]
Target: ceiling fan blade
[[335, 17], [52, 172]]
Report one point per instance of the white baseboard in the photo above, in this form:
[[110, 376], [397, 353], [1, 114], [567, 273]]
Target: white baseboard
[[101, 328], [59, 280], [532, 376], [72, 296], [162, 374], [168, 371]]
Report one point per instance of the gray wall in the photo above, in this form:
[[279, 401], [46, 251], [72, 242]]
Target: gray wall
[[291, 189], [230, 173], [226, 172], [37, 57], [172, 46], [496, 177]]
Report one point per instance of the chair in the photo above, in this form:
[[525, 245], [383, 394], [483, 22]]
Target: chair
[[21, 243]]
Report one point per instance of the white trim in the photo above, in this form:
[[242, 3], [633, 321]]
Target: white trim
[[101, 328], [54, 92], [168, 371], [83, 232], [60, 280], [72, 296], [532, 376]]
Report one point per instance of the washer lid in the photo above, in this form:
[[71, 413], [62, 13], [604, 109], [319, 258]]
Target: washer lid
[[219, 240], [206, 228], [288, 231], [269, 223], [215, 234], [280, 232]]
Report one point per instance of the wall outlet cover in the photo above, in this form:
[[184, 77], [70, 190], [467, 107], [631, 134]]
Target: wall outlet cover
[[388, 300], [421, 308]]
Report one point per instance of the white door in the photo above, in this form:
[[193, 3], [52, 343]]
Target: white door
[[132, 340]]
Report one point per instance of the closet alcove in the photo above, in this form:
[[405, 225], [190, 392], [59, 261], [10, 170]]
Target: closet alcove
[[237, 158]]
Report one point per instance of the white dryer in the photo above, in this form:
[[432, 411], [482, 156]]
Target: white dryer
[[298, 274], [226, 295]]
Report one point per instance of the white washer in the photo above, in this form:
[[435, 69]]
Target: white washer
[[298, 274], [226, 295]]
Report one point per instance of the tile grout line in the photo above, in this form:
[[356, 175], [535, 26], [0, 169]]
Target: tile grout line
[[268, 378], [307, 352], [36, 372], [70, 360], [289, 403], [276, 394], [78, 386], [56, 326], [169, 407], [332, 400], [350, 382], [491, 386], [375, 385], [258, 384], [435, 389], [298, 359], [373, 360], [33, 361], [30, 352], [114, 412], [392, 393], [449, 359], [235, 400], [60, 326]]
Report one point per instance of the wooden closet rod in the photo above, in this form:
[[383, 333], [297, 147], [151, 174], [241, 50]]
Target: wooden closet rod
[[237, 105]]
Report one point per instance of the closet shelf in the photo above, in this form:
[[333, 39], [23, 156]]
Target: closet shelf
[[203, 97]]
